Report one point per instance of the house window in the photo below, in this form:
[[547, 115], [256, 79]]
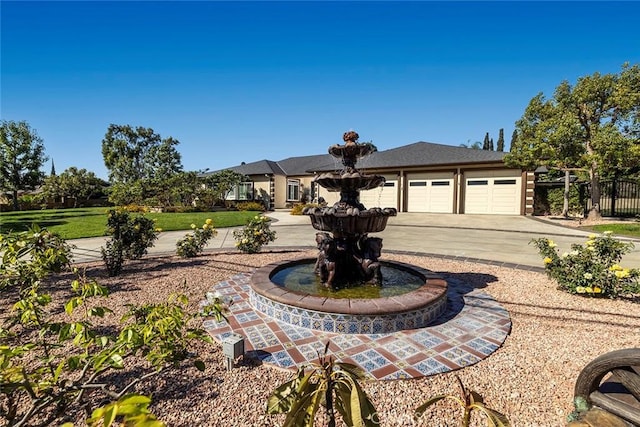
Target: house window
[[293, 190], [242, 191]]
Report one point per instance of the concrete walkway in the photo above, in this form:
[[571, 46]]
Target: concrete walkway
[[497, 239]]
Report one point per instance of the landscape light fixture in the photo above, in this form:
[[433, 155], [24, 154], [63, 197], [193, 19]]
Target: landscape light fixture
[[232, 348]]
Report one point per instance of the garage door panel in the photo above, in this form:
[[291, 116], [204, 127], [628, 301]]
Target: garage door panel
[[385, 196], [430, 192], [493, 192]]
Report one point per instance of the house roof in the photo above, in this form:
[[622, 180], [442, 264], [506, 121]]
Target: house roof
[[416, 154], [428, 154]]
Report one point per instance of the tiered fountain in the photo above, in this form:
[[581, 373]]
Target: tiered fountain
[[347, 288]]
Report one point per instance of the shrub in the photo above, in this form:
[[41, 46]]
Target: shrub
[[55, 364], [193, 243], [250, 206], [130, 239], [591, 269], [298, 208], [135, 208], [256, 233], [30, 255]]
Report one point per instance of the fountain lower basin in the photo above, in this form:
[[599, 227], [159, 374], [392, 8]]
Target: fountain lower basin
[[411, 310]]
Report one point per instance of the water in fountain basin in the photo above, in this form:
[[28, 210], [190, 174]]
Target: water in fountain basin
[[301, 278]]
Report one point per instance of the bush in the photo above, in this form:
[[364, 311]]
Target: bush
[[591, 269], [555, 197], [298, 208], [31, 255], [193, 243], [55, 364], [131, 237], [255, 234], [250, 206]]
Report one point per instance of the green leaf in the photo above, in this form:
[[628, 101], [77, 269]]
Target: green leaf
[[281, 399], [200, 365], [110, 415], [116, 361]]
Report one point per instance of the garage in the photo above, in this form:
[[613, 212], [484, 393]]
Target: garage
[[430, 192], [493, 192], [385, 196]]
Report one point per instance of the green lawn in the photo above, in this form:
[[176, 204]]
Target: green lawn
[[92, 222], [630, 229]]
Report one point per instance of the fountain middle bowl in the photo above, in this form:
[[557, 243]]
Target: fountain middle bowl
[[415, 309]]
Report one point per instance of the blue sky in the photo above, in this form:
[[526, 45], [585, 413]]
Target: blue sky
[[245, 81]]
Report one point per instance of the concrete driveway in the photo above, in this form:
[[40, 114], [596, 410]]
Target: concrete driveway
[[500, 239]]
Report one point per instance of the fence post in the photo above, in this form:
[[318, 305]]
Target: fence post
[[614, 191]]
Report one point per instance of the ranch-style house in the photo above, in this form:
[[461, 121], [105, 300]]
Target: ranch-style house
[[420, 177]]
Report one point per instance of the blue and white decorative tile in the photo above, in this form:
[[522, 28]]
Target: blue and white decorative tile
[[481, 320], [460, 357], [400, 349], [430, 367], [482, 346]]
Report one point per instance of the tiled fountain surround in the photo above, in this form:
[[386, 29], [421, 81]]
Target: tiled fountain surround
[[411, 310], [473, 326]]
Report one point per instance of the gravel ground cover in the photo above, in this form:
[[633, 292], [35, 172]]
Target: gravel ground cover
[[530, 378]]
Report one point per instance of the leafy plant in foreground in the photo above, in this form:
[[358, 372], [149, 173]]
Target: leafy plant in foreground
[[51, 367], [330, 383], [31, 255], [470, 401]]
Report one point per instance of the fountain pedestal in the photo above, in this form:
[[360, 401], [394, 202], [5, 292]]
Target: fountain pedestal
[[347, 255]]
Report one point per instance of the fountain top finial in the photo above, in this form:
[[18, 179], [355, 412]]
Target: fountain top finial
[[350, 137]]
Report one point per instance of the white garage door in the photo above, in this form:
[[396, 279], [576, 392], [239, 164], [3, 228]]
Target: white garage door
[[383, 197], [330, 197], [430, 192], [493, 192]]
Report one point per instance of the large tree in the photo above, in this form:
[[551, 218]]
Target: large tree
[[21, 157], [134, 154], [222, 182], [594, 125], [78, 184]]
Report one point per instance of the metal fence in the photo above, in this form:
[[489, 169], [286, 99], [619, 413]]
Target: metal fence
[[618, 198]]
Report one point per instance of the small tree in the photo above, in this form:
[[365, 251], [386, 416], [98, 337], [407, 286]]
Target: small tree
[[75, 183], [500, 143], [330, 383], [469, 401], [130, 239], [21, 157], [223, 182], [485, 143]]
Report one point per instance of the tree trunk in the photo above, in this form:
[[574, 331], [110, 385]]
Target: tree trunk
[[594, 212], [567, 187], [16, 205], [329, 402]]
